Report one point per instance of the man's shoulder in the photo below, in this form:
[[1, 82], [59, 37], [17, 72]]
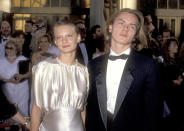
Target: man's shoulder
[[139, 56], [97, 63], [143, 61], [98, 60]]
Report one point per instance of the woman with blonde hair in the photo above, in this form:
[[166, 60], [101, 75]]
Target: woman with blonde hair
[[41, 52], [16, 85]]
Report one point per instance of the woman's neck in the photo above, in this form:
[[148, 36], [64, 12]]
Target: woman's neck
[[68, 59], [11, 59], [44, 50]]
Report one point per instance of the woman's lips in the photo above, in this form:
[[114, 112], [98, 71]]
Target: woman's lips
[[65, 46]]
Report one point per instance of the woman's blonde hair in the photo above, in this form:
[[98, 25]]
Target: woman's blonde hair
[[13, 41]]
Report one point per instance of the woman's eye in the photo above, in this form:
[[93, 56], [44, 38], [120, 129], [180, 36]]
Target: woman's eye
[[121, 23], [69, 35], [58, 38]]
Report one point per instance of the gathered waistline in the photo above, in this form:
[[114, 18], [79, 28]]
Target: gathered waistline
[[62, 119]]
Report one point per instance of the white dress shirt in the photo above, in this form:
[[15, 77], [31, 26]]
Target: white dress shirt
[[113, 77]]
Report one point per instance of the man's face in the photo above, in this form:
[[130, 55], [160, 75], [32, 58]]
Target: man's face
[[28, 27], [159, 38], [149, 27], [82, 29], [81, 26], [123, 29], [5, 28], [165, 36], [173, 47], [98, 32]]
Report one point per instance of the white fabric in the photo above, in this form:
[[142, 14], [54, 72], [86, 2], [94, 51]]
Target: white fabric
[[15, 93], [161, 59], [61, 91], [96, 55], [113, 77], [166, 111]]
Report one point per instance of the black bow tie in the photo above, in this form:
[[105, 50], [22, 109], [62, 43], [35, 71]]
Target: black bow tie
[[123, 57]]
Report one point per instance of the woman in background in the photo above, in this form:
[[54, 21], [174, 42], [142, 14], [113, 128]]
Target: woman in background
[[16, 85], [172, 85], [41, 53]]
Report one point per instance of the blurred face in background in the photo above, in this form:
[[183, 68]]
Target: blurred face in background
[[44, 44], [159, 38], [82, 29], [173, 47], [28, 27], [34, 28], [5, 28], [10, 49], [149, 27], [98, 32], [20, 39], [166, 36]]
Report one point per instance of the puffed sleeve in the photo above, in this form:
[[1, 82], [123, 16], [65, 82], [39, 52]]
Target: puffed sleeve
[[37, 84]]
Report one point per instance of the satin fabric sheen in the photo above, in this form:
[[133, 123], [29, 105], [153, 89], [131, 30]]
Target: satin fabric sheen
[[61, 92]]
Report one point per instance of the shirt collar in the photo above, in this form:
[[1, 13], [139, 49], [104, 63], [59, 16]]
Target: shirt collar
[[127, 52], [5, 37]]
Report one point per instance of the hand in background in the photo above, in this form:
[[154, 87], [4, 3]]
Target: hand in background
[[14, 79], [18, 77], [178, 81]]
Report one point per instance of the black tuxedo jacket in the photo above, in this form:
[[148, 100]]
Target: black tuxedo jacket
[[138, 104]]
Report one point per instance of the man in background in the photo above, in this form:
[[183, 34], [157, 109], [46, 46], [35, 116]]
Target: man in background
[[26, 51], [5, 35]]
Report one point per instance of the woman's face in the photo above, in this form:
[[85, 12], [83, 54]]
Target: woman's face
[[44, 44], [66, 38], [20, 39], [173, 47], [10, 49]]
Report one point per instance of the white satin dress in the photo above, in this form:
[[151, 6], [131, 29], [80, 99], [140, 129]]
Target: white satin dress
[[61, 92]]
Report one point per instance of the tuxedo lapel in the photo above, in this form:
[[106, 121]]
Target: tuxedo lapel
[[101, 90], [125, 83]]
